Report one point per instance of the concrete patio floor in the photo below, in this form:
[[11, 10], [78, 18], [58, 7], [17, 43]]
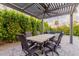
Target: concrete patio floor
[[67, 49]]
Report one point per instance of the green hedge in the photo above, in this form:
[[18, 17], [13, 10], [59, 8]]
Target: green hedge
[[76, 30], [13, 23], [66, 29]]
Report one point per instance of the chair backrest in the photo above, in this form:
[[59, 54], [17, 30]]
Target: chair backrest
[[23, 40], [28, 34], [56, 36], [51, 39], [38, 33], [59, 38], [45, 32]]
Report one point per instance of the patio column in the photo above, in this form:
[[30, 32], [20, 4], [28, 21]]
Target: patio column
[[42, 26], [43, 23], [71, 28]]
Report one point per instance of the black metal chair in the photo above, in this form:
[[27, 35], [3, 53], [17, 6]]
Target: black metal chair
[[50, 48], [28, 34], [49, 32], [26, 48], [45, 32], [53, 44], [57, 41]]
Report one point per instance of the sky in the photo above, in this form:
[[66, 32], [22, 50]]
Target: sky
[[63, 19]]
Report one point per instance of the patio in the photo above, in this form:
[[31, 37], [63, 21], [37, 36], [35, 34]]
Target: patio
[[69, 44], [67, 49], [47, 10]]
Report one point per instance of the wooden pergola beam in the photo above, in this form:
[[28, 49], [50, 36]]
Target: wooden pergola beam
[[19, 9], [27, 6]]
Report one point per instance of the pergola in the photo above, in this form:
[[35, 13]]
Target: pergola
[[46, 10]]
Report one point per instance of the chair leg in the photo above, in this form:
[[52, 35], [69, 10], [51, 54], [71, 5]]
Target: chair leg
[[46, 53], [56, 53], [35, 54], [26, 55], [59, 46], [52, 53], [55, 50]]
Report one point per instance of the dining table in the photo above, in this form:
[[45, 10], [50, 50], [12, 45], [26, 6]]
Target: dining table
[[40, 38]]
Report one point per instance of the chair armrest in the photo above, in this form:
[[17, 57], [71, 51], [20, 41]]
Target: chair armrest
[[33, 46]]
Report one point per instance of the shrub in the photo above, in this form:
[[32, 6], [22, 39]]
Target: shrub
[[76, 30], [66, 29], [13, 23]]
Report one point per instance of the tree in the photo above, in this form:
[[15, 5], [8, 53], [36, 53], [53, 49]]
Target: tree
[[56, 22]]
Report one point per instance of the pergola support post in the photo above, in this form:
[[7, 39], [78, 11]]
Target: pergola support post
[[43, 23], [42, 26], [71, 28]]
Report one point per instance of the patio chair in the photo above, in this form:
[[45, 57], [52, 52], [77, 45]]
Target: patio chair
[[27, 34], [28, 50], [49, 32], [50, 48], [38, 33], [57, 39], [45, 32], [54, 44]]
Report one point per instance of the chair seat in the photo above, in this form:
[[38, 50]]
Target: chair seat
[[28, 48], [31, 51], [51, 46]]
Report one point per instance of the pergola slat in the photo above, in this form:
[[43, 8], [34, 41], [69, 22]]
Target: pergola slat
[[27, 6], [62, 6]]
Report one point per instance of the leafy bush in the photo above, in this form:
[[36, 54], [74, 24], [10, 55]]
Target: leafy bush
[[13, 23], [76, 30], [66, 29]]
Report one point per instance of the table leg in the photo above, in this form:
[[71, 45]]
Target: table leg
[[42, 48]]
